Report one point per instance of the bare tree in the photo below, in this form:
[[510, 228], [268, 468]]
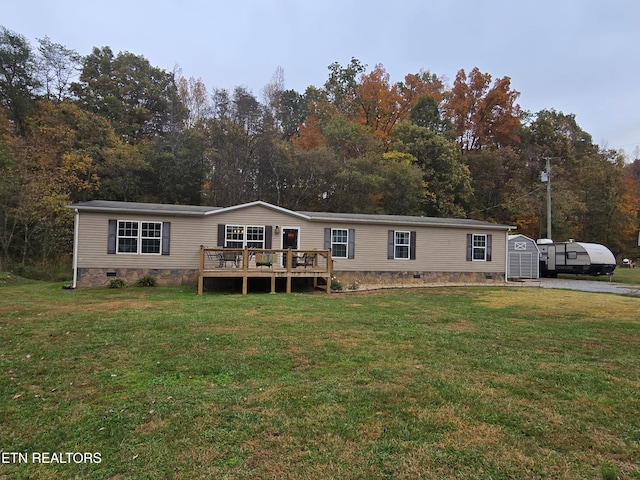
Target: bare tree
[[193, 93], [58, 66]]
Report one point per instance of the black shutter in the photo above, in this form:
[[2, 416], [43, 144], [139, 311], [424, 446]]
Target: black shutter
[[327, 238], [489, 248], [111, 236], [351, 246], [390, 245], [166, 237], [469, 247], [222, 231], [268, 236], [412, 245]]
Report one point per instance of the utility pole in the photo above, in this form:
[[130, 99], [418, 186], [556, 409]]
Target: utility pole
[[546, 177]]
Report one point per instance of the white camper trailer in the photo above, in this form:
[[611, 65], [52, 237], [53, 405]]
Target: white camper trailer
[[523, 258], [575, 257]]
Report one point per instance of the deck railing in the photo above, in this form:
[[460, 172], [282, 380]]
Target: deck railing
[[259, 262]]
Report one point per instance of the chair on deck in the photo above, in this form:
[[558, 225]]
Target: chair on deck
[[232, 257], [211, 255], [307, 260], [264, 259]]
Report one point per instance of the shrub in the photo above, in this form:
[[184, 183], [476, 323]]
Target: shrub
[[336, 284], [117, 283], [147, 281]]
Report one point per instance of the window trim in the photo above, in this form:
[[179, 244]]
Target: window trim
[[152, 238], [244, 232], [221, 241], [229, 232], [488, 247], [391, 244], [122, 224], [404, 245], [345, 243], [475, 247], [351, 242], [264, 236], [138, 237]]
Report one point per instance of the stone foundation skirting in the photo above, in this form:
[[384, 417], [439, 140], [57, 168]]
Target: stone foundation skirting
[[371, 280], [100, 277]]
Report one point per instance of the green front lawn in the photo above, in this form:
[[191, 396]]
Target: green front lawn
[[620, 275], [457, 383]]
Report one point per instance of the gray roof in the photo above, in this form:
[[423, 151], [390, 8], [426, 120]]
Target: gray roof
[[402, 220], [136, 207], [194, 210]]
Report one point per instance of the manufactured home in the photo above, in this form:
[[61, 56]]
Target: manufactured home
[[575, 257], [187, 245], [523, 258]]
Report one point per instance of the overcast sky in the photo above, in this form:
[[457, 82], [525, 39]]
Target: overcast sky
[[575, 56]]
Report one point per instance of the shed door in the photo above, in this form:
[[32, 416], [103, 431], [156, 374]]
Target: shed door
[[521, 265]]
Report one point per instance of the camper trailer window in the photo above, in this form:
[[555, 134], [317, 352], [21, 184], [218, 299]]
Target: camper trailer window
[[572, 255]]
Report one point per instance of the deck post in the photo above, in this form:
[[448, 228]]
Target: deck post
[[289, 265], [245, 268], [201, 273], [329, 271], [273, 284]]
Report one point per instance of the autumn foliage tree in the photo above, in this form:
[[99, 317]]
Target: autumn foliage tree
[[112, 126], [483, 115], [384, 105]]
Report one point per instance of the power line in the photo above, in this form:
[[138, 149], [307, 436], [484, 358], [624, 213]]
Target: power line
[[504, 204], [629, 144]]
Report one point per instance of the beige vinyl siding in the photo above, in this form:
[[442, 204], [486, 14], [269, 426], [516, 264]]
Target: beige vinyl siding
[[311, 235], [187, 234], [440, 249], [437, 249]]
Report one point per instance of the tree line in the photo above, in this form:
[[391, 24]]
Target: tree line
[[111, 126]]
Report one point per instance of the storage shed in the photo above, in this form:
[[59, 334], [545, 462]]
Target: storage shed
[[523, 257]]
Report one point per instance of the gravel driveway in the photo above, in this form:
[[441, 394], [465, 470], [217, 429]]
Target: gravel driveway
[[589, 286]]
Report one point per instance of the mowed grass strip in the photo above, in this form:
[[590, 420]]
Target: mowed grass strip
[[430, 383]]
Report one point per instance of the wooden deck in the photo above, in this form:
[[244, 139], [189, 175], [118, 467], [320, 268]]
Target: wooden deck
[[259, 263]]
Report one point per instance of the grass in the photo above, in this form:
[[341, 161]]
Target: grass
[[620, 275], [459, 383], [8, 278]]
